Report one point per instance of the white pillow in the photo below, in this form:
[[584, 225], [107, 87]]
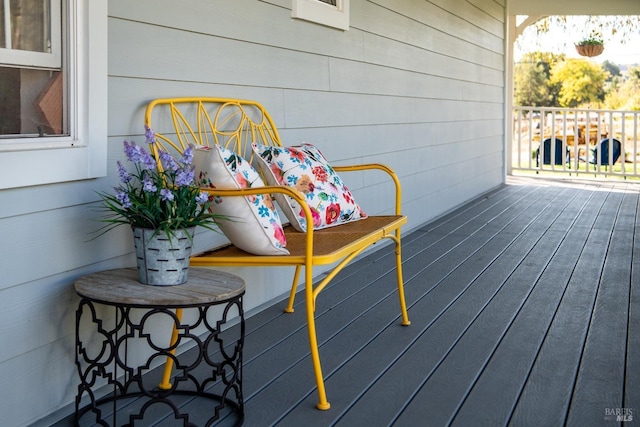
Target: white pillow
[[252, 223], [305, 169]]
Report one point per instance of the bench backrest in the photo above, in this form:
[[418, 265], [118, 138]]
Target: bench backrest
[[231, 123]]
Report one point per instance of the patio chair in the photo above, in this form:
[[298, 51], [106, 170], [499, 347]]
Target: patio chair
[[603, 148], [558, 158]]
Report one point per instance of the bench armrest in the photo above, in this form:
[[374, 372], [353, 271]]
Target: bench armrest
[[379, 166], [270, 189]]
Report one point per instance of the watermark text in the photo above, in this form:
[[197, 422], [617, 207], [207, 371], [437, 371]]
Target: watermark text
[[621, 415]]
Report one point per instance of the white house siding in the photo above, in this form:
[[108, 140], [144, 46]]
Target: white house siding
[[415, 84]]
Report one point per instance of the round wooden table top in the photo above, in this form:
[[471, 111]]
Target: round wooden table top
[[121, 286]]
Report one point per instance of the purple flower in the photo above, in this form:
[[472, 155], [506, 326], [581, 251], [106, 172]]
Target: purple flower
[[123, 198], [184, 178], [202, 198], [147, 161], [149, 134], [148, 185], [166, 195], [133, 152], [137, 154], [124, 175], [168, 162], [187, 156]]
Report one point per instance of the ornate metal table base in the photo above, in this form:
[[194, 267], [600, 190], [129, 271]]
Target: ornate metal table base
[[211, 370]]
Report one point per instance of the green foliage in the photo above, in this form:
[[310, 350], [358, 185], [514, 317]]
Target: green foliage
[[532, 86], [548, 59], [626, 95], [542, 79], [612, 69], [595, 38], [581, 81]]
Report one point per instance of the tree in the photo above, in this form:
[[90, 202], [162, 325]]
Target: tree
[[612, 69], [581, 82], [573, 84], [626, 96], [532, 86]]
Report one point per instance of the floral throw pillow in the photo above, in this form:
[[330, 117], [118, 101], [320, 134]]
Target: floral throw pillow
[[252, 222], [305, 168]]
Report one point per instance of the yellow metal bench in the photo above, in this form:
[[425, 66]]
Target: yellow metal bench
[[235, 124]]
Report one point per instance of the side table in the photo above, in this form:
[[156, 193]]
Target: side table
[[125, 355]]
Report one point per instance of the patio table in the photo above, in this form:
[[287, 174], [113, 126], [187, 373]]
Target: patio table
[[121, 357]]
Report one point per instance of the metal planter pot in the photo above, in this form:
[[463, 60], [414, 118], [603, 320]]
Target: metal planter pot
[[162, 260]]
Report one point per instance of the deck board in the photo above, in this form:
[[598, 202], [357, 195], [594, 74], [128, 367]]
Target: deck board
[[441, 315], [448, 385], [525, 310], [503, 379], [600, 381], [632, 372]]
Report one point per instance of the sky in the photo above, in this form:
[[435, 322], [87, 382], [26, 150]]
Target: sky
[[562, 41]]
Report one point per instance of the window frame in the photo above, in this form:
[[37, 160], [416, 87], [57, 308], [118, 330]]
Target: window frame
[[24, 58], [322, 13], [81, 155]]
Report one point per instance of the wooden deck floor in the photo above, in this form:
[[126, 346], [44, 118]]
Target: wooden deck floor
[[525, 310]]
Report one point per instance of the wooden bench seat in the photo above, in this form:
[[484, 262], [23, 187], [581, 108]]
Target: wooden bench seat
[[329, 245], [235, 124]]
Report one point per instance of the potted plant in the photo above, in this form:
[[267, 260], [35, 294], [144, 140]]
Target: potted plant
[[590, 46], [161, 202]]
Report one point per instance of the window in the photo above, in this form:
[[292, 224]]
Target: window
[[31, 71], [52, 56], [332, 13]]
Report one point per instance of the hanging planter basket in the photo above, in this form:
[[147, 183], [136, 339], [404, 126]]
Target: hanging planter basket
[[590, 50]]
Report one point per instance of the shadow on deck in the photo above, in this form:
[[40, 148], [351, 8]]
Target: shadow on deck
[[525, 310]]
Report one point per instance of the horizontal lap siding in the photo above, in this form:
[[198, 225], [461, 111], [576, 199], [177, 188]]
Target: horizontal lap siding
[[415, 84], [378, 92]]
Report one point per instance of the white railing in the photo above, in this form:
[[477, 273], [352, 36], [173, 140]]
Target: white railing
[[576, 141]]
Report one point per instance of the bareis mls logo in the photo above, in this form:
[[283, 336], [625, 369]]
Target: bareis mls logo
[[618, 414]]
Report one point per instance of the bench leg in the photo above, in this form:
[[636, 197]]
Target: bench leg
[[168, 365], [310, 295], [294, 288], [403, 304], [323, 404]]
